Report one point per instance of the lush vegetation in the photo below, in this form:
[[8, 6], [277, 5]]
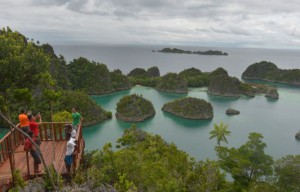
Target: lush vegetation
[[172, 82], [145, 162], [119, 81], [224, 86], [219, 71], [34, 78], [90, 77], [144, 81], [176, 50], [195, 78], [134, 108], [153, 72], [269, 71], [138, 72], [149, 78], [190, 108]]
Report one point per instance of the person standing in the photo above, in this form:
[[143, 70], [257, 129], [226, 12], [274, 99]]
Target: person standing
[[69, 152], [28, 146], [24, 121], [69, 129], [33, 125], [77, 118]]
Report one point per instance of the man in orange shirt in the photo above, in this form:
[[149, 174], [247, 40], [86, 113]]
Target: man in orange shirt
[[24, 121]]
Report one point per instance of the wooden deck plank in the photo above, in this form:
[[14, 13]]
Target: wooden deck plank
[[53, 152], [46, 149]]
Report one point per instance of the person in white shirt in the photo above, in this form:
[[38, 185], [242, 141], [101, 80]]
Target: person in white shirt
[[73, 133], [69, 129], [69, 152]]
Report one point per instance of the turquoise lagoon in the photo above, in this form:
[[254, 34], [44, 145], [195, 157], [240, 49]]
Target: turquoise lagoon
[[277, 120]]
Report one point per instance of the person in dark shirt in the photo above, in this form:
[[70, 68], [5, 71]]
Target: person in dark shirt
[[33, 151]]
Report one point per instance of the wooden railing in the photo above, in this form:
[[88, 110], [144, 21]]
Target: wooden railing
[[9, 143], [79, 148], [48, 132]]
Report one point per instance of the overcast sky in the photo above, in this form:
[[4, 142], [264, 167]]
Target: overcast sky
[[230, 23]]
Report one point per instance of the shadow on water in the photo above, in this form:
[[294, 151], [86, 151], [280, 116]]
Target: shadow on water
[[221, 99], [122, 125], [273, 84], [187, 123], [270, 100], [109, 97]]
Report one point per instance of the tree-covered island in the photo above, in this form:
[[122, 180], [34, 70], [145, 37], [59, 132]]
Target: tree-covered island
[[172, 83], [268, 71], [134, 108], [190, 108], [176, 50]]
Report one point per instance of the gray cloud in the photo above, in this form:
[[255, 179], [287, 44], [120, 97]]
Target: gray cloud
[[273, 23]]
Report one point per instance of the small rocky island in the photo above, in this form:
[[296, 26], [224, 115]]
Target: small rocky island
[[231, 111], [172, 83], [176, 50], [268, 71], [190, 108], [272, 93], [134, 108]]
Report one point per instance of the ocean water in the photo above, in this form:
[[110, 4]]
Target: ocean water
[[128, 57], [277, 120]]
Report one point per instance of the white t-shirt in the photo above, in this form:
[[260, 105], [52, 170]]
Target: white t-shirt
[[73, 133], [70, 146]]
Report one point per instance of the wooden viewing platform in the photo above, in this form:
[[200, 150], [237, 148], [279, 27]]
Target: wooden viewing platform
[[53, 148]]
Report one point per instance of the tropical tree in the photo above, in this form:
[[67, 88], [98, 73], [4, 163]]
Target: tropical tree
[[287, 172], [248, 163], [22, 63], [220, 132]]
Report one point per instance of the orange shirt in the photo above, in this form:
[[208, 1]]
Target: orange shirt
[[23, 120]]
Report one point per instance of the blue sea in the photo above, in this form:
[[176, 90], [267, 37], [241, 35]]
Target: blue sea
[[277, 120]]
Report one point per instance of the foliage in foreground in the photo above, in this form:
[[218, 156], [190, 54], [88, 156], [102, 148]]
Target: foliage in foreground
[[248, 163], [146, 162]]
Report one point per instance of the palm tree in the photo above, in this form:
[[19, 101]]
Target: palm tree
[[220, 132]]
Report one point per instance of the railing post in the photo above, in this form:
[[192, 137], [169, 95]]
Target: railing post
[[10, 153], [28, 168]]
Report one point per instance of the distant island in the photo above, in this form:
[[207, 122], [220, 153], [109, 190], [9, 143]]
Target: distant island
[[176, 50]]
